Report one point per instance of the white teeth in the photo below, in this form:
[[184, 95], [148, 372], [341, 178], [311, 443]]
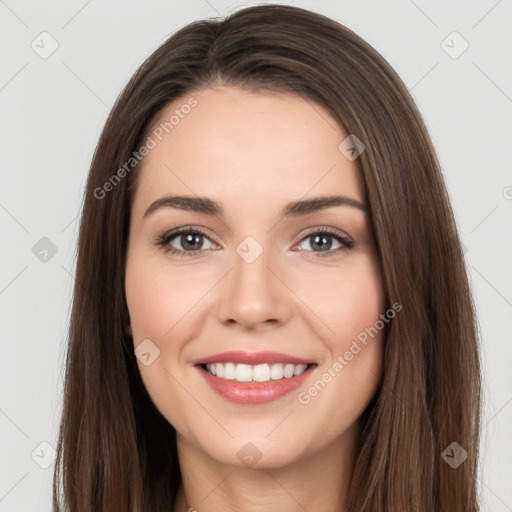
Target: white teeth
[[299, 369], [288, 370], [229, 371], [276, 371], [257, 373], [243, 372], [261, 373]]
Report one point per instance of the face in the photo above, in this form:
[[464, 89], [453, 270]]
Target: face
[[276, 285]]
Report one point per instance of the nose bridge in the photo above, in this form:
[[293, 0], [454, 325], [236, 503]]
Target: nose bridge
[[252, 293]]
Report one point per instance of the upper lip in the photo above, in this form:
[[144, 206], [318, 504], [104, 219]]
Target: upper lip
[[252, 358]]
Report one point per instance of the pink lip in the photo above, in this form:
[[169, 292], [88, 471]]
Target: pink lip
[[254, 392], [252, 358]]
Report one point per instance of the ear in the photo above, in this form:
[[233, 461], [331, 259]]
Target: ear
[[129, 330]]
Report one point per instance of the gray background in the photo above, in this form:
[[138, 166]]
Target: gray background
[[52, 112]]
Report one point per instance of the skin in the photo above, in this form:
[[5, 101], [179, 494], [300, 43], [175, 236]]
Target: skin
[[253, 153]]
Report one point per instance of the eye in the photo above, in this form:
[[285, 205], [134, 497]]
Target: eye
[[189, 241], [321, 242]]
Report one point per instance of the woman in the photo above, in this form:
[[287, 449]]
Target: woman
[[271, 307]]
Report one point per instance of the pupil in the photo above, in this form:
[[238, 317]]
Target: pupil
[[325, 239], [191, 240]]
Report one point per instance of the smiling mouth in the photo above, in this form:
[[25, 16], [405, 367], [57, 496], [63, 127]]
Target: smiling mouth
[[254, 374], [259, 384]]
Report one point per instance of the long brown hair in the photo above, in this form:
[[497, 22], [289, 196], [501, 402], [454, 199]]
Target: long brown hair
[[115, 450]]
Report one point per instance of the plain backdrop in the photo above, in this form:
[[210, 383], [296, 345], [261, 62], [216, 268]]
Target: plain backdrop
[[63, 64]]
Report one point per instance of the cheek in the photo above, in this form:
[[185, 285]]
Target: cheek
[[159, 306], [156, 298], [346, 301], [350, 305], [359, 302]]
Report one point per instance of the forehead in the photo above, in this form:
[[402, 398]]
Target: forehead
[[246, 148]]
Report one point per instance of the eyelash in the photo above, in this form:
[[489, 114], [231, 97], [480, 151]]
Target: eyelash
[[163, 240]]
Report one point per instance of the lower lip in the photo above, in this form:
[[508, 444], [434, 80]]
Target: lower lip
[[254, 392]]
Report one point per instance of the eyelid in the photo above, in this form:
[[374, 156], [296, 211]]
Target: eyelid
[[189, 229], [326, 229]]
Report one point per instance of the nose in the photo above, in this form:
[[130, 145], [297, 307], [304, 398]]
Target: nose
[[254, 295]]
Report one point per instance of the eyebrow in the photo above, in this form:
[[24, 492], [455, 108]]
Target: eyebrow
[[293, 209]]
